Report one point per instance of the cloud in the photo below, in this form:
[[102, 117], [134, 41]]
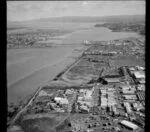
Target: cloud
[[24, 10]]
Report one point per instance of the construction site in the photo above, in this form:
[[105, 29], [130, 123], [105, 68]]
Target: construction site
[[103, 91]]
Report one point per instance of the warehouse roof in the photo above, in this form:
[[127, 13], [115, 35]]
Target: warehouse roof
[[125, 86], [112, 80], [142, 81], [132, 68], [139, 74], [128, 91], [61, 100], [141, 95], [140, 68], [130, 97], [129, 124]]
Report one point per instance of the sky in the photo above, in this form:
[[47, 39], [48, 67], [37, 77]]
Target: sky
[[27, 10]]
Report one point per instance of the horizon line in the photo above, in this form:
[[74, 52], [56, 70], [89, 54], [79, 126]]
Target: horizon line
[[71, 16]]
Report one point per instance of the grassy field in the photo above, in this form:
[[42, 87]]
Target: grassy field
[[43, 122], [127, 61]]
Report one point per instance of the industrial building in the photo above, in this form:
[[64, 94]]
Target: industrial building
[[130, 97], [129, 124], [141, 95], [127, 107], [139, 74], [128, 91], [112, 80]]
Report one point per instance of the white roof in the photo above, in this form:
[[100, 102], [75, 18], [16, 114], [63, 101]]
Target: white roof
[[130, 96], [68, 91], [110, 89], [128, 91], [142, 80], [84, 107], [129, 124], [141, 85], [112, 103], [112, 79], [125, 87], [103, 104], [138, 74], [140, 67], [135, 105], [88, 94], [132, 68], [126, 104], [61, 100], [82, 90]]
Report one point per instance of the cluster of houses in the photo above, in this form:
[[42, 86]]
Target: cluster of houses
[[101, 53], [119, 42], [25, 39], [57, 101]]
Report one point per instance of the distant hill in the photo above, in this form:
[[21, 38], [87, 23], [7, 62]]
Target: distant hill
[[92, 19], [11, 25], [82, 19]]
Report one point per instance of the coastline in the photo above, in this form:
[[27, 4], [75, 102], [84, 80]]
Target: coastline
[[58, 65], [34, 94]]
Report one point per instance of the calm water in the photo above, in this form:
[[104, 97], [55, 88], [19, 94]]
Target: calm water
[[96, 34], [29, 68]]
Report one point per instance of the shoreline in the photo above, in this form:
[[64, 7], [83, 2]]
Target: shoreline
[[34, 94], [70, 34], [50, 47], [62, 63]]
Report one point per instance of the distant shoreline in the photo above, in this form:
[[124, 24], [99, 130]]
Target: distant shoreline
[[29, 47]]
